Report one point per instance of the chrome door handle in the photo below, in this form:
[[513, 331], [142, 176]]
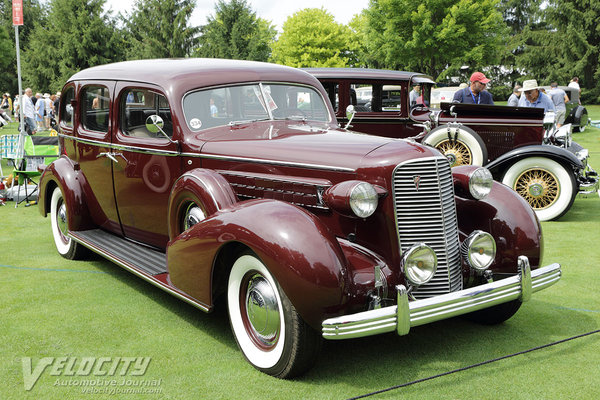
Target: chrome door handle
[[109, 155]]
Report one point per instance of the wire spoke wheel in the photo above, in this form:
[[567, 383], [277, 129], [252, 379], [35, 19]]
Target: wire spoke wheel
[[539, 187], [457, 152]]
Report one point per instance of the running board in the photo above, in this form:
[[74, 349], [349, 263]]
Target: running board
[[123, 252]]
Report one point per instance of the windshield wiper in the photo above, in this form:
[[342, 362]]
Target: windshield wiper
[[246, 121]]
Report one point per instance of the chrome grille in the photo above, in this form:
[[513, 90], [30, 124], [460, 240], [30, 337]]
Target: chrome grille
[[426, 213]]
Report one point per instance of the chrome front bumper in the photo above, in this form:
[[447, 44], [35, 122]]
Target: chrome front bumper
[[405, 314]]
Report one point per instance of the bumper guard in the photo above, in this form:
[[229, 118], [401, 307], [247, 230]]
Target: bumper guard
[[405, 314]]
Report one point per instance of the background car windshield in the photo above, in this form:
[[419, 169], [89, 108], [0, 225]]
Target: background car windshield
[[229, 105]]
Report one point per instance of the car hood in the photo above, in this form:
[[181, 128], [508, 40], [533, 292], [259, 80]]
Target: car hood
[[306, 146]]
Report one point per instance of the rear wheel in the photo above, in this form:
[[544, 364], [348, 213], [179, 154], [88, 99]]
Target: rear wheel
[[461, 145], [66, 246], [548, 187], [266, 326]]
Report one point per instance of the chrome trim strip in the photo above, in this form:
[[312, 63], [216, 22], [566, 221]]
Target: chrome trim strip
[[113, 146], [140, 274], [393, 318], [270, 162], [136, 149]]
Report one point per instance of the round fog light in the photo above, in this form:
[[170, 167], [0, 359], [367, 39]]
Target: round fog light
[[479, 250], [420, 264], [480, 183]]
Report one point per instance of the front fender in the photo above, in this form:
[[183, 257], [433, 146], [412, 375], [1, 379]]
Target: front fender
[[302, 254], [65, 174], [558, 154]]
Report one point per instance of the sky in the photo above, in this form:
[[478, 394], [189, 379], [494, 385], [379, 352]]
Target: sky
[[272, 10]]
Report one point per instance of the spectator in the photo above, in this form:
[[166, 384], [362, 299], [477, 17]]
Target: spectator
[[533, 97], [39, 106], [47, 110], [513, 100], [575, 85], [6, 107], [56, 104], [414, 94], [559, 98], [28, 112], [476, 93]]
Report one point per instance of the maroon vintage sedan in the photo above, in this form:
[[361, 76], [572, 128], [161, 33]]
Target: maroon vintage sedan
[[220, 180]]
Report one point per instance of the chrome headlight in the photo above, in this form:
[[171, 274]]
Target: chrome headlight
[[363, 200], [420, 264], [479, 250], [480, 183]]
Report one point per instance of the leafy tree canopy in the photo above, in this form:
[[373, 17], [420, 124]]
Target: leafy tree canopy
[[235, 32], [312, 38], [159, 29]]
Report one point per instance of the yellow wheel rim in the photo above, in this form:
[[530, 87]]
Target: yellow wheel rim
[[539, 187], [456, 151]]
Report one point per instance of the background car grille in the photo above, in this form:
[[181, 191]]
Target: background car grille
[[426, 213]]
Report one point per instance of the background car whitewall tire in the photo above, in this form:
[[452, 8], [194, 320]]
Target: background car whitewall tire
[[467, 149], [546, 185]]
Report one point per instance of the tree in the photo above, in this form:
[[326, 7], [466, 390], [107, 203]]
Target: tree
[[33, 14], [312, 38], [159, 29], [436, 37], [235, 32], [77, 35]]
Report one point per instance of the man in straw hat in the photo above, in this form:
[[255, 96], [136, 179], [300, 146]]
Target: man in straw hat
[[533, 97], [475, 93]]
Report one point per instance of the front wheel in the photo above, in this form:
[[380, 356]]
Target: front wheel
[[66, 246], [548, 187], [266, 326]]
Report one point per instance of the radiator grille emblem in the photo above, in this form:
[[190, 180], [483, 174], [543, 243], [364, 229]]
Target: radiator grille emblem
[[417, 181]]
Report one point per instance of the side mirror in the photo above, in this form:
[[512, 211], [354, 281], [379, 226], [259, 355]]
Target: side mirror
[[350, 113], [155, 124]]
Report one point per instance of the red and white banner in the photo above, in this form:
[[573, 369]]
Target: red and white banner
[[17, 12]]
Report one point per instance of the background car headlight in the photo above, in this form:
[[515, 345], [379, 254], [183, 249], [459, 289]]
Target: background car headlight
[[363, 200], [479, 250], [420, 264], [480, 183]]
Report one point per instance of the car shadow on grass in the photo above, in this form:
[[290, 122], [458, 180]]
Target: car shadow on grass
[[384, 361]]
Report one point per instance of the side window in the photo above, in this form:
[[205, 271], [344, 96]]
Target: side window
[[332, 89], [66, 109], [376, 98], [95, 105], [139, 104]]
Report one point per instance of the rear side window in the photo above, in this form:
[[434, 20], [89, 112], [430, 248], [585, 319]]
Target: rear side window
[[139, 104], [66, 109], [376, 98], [95, 108]]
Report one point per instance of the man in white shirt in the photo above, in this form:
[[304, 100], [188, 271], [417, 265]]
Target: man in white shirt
[[575, 85], [28, 111]]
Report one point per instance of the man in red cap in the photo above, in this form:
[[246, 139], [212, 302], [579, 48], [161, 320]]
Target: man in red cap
[[476, 93]]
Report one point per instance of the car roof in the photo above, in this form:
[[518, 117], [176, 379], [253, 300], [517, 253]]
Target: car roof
[[191, 73], [368, 73]]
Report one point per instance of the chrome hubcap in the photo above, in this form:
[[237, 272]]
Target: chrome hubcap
[[262, 310], [61, 219], [193, 215], [539, 187]]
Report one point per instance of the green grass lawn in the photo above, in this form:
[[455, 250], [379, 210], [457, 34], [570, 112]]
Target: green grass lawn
[[52, 307]]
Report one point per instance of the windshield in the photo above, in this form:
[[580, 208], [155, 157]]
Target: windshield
[[234, 105]]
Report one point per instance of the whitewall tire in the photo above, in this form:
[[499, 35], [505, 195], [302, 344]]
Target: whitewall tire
[[66, 246], [266, 326], [461, 145], [548, 187]]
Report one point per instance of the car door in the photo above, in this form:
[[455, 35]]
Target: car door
[[145, 164], [93, 126]]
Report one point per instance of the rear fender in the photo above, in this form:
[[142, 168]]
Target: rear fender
[[558, 154], [65, 174], [299, 251]]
